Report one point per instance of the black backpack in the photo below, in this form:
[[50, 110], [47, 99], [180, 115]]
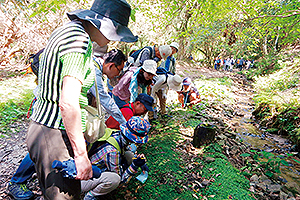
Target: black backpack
[[34, 60]]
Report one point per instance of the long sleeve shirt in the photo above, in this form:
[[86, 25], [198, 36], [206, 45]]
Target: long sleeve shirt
[[108, 158], [160, 84], [122, 88], [105, 99]]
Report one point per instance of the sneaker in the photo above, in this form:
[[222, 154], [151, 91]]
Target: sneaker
[[89, 196], [19, 191]]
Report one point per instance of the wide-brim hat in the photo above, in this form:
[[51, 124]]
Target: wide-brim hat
[[174, 82], [165, 51], [175, 45], [111, 17], [150, 66], [136, 129]]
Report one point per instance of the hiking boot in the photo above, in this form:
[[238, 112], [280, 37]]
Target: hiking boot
[[19, 191], [89, 196]]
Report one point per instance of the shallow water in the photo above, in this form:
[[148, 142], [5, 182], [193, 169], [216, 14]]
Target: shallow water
[[251, 135]]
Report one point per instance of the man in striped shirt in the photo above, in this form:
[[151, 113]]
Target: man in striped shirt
[[65, 75]]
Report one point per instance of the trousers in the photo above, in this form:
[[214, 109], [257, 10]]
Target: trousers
[[46, 145]]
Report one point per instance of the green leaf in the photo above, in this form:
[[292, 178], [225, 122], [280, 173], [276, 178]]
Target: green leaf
[[245, 155], [285, 163], [297, 161]]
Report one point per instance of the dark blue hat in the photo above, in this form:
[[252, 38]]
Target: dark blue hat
[[110, 17], [146, 100]]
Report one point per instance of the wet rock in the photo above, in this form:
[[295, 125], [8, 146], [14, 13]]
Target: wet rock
[[291, 187], [254, 178], [283, 195], [274, 188]]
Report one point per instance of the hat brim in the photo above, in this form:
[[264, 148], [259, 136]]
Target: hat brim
[[173, 86], [111, 29], [131, 136], [149, 108]]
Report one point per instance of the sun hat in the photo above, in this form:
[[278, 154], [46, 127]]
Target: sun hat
[[187, 81], [146, 100], [174, 82], [111, 17], [150, 66], [136, 129], [175, 45], [164, 51]]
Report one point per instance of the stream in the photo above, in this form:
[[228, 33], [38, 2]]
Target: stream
[[252, 135]]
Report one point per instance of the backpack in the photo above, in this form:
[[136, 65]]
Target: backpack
[[106, 138], [162, 70], [34, 60], [136, 55]]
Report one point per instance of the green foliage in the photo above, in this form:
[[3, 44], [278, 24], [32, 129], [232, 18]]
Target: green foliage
[[43, 8], [223, 186], [264, 66], [277, 100], [14, 111]]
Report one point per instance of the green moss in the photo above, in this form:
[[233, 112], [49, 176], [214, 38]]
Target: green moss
[[14, 110]]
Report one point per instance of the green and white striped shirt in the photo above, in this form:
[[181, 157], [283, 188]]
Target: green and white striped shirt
[[68, 53]]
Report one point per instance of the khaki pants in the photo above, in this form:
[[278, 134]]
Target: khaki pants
[[46, 145], [162, 104]]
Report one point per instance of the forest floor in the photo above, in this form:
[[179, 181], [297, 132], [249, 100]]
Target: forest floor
[[228, 107]]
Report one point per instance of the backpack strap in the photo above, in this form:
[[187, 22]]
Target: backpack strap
[[114, 142], [92, 147]]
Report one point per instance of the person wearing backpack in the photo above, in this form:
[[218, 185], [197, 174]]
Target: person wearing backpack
[[188, 93], [241, 63], [65, 75], [151, 53], [103, 66], [163, 83], [170, 62], [111, 159]]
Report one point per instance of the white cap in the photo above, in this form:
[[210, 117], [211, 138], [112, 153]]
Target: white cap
[[174, 82], [165, 51], [175, 45], [150, 66]]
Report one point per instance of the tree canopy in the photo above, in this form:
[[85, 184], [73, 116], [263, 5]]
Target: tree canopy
[[210, 28]]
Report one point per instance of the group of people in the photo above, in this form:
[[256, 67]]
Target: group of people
[[228, 63], [68, 69]]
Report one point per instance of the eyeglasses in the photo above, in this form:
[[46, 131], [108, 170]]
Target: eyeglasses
[[118, 69]]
